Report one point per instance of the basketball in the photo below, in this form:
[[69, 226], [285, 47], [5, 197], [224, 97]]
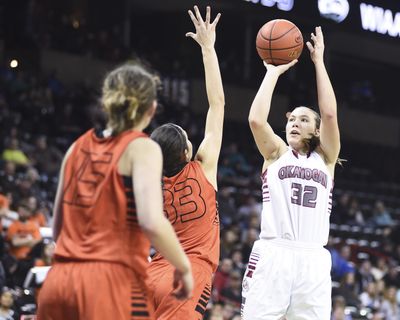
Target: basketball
[[279, 41]]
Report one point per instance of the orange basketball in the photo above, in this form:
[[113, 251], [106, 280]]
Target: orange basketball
[[279, 41]]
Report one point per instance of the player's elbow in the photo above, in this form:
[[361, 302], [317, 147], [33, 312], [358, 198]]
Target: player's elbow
[[255, 123], [217, 102], [221, 100], [329, 116], [148, 226]]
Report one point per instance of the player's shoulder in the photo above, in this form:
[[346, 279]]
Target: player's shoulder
[[143, 142], [143, 146]]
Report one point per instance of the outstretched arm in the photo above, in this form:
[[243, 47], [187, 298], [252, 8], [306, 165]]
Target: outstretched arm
[[269, 144], [329, 136], [209, 149]]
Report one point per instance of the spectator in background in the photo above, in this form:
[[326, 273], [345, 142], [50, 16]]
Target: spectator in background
[[226, 174], [45, 158], [6, 306], [229, 240], [380, 269], [8, 177], [347, 290], [250, 206], [380, 289], [340, 212], [355, 214], [15, 133], [249, 237], [340, 265], [46, 257], [7, 216], [236, 160], [381, 216], [45, 260], [25, 189], [229, 311], [23, 234], [37, 216], [221, 277], [370, 298], [364, 275], [226, 206], [254, 221], [338, 309], [14, 154], [391, 278], [215, 313], [231, 292], [237, 260], [389, 307]]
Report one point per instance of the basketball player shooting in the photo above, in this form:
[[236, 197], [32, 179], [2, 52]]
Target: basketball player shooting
[[288, 273]]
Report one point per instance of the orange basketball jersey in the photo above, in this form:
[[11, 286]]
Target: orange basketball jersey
[[190, 205], [99, 214]]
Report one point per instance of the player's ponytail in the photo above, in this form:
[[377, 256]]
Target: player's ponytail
[[128, 92], [314, 141]]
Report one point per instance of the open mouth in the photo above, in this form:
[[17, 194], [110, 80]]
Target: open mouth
[[294, 132]]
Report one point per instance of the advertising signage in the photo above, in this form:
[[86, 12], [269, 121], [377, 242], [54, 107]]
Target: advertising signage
[[378, 18]]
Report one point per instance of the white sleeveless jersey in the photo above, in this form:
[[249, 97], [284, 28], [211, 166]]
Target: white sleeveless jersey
[[297, 199]]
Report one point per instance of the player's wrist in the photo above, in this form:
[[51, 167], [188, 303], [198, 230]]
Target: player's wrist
[[185, 267]]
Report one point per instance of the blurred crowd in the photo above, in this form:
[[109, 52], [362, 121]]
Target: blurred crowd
[[40, 117]]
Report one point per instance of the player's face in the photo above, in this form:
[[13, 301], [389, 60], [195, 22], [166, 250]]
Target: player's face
[[301, 125]]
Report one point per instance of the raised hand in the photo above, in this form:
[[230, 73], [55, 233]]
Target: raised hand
[[280, 68], [317, 48], [205, 30]]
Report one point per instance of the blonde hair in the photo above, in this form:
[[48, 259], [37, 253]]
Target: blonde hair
[[128, 92]]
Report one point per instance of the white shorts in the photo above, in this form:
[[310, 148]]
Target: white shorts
[[287, 278]]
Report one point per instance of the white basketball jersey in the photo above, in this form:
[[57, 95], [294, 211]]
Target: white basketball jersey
[[297, 199]]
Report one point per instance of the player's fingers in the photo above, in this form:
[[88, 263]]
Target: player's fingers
[[190, 34], [208, 15], [194, 20], [180, 294], [318, 32], [214, 23], [175, 283], [293, 62], [198, 15], [313, 38], [310, 46]]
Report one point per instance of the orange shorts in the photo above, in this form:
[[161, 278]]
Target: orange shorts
[[167, 307], [93, 291]]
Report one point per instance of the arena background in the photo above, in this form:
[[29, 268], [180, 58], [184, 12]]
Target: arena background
[[54, 55]]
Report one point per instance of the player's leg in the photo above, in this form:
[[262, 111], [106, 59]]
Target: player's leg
[[57, 299], [311, 295], [112, 291], [167, 307], [267, 282]]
